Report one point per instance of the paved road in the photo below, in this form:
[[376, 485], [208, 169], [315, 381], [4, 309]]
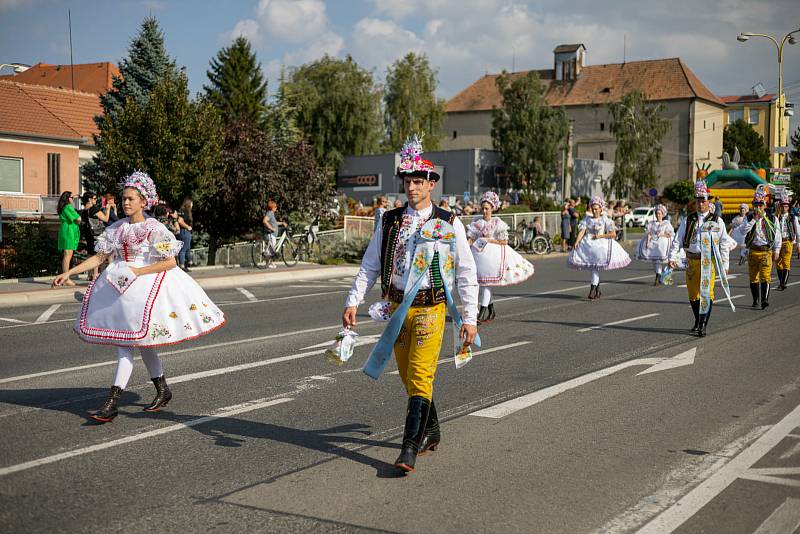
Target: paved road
[[575, 416]]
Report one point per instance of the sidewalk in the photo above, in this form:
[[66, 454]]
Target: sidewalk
[[28, 291]]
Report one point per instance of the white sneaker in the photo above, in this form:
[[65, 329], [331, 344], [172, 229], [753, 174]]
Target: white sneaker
[[273, 266]]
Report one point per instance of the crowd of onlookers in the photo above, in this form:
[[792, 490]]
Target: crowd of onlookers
[[79, 228]]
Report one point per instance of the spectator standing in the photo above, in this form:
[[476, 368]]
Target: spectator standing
[[398, 203], [381, 205], [271, 226], [573, 221], [88, 216], [185, 222], [566, 226], [109, 211], [69, 232], [718, 206], [444, 204]]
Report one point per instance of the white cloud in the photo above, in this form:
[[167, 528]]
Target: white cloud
[[293, 21], [247, 28], [377, 43]]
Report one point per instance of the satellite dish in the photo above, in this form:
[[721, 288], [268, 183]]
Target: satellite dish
[[759, 91]]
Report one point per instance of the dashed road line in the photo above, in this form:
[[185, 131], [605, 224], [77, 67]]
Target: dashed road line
[[47, 313], [246, 293], [622, 321]]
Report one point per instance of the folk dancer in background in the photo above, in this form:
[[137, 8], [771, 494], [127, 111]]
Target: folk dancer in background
[[657, 241], [703, 238], [419, 251], [762, 237], [735, 222], [790, 234]]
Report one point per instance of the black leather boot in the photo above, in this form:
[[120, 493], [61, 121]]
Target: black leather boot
[[764, 294], [657, 280], [109, 409], [696, 311], [592, 292], [416, 420], [597, 291], [701, 331], [481, 314], [490, 315], [163, 395], [433, 434], [783, 277], [754, 292]]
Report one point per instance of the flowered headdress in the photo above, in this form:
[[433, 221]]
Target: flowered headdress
[[759, 197], [597, 200], [662, 208], [144, 184], [411, 162], [492, 198], [784, 198], [701, 190], [745, 206]]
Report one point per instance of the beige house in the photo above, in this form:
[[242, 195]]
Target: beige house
[[696, 115]]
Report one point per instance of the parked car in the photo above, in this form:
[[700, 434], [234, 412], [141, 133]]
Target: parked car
[[640, 216]]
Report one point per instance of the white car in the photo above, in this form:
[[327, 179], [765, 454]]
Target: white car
[[640, 216]]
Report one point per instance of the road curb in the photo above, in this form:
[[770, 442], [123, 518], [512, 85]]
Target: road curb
[[65, 295]]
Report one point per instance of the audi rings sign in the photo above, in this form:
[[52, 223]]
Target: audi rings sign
[[359, 180]]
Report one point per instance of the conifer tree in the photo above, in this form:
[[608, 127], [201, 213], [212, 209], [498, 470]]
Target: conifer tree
[[237, 87]]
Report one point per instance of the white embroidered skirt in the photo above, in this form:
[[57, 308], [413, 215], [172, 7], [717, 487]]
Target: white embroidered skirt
[[499, 265], [598, 255], [157, 309], [656, 250]]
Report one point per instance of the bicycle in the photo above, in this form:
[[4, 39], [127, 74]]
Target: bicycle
[[263, 253], [308, 245]]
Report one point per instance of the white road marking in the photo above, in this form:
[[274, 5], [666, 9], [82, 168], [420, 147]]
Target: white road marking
[[17, 321], [179, 351], [36, 324], [792, 283], [785, 518], [682, 359], [47, 313], [498, 411], [362, 339], [632, 279], [686, 476], [246, 293], [700, 496], [225, 412], [622, 321], [319, 286], [477, 353], [773, 475]]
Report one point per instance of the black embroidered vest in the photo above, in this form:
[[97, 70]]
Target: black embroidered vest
[[771, 229], [790, 219], [390, 228], [691, 227]]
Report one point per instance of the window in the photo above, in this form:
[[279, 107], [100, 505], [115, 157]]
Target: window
[[602, 155], [734, 115], [53, 174], [713, 126], [11, 175], [704, 125], [753, 116], [602, 126], [455, 134]]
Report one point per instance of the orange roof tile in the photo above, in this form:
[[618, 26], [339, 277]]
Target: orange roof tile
[[660, 79], [48, 112], [89, 77], [743, 99]]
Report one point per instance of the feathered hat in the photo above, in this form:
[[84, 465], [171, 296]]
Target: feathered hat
[[144, 185], [411, 162], [784, 198], [492, 198], [759, 198], [701, 190], [597, 200]]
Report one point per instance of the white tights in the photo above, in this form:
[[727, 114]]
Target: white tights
[[659, 266], [486, 296], [125, 364], [595, 278]]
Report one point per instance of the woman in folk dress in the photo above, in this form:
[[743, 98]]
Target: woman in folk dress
[[498, 264], [655, 245], [596, 248], [141, 299]]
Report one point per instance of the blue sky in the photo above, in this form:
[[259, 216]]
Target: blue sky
[[464, 39]]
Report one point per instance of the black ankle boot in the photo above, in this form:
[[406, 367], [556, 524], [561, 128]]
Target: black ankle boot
[[696, 311], [109, 409], [657, 280], [783, 277], [490, 314], [481, 314], [433, 434], [701, 331], [754, 292], [764, 294], [592, 290], [163, 395], [597, 292], [416, 420]]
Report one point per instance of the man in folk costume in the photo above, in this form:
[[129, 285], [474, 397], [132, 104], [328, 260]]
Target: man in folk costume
[[762, 237], [790, 234], [707, 246], [419, 251]]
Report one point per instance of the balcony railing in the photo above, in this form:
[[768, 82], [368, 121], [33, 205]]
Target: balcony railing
[[25, 204]]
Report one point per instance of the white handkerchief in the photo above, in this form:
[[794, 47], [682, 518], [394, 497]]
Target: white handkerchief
[[381, 311], [120, 276]]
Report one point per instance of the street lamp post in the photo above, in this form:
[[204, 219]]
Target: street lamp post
[[744, 37]]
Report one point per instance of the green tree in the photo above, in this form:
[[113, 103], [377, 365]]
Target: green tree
[[528, 132], [638, 128], [237, 87], [145, 66], [680, 192], [741, 135], [281, 122], [176, 141], [795, 153], [410, 103], [337, 107]]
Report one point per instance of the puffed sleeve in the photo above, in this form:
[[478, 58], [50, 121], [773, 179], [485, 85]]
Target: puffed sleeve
[[610, 226], [162, 242], [583, 224], [501, 230], [473, 231], [105, 243]]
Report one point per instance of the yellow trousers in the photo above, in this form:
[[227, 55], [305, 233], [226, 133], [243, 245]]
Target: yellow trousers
[[785, 259], [693, 279], [417, 348], [759, 263]]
